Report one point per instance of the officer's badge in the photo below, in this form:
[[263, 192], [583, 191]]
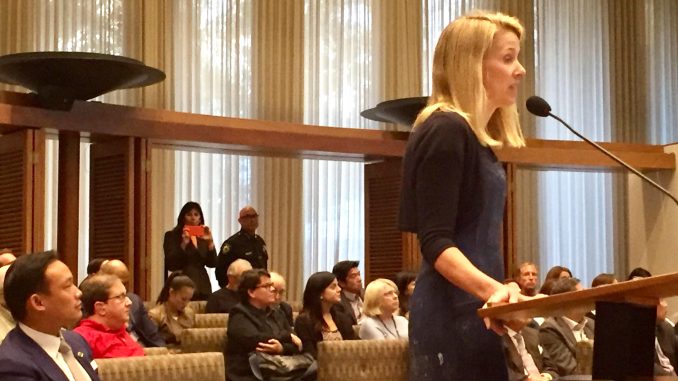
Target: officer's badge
[[225, 248]]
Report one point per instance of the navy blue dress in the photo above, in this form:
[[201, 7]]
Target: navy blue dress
[[453, 195]]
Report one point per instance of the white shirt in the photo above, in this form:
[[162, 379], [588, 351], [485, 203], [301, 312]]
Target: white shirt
[[50, 344], [577, 328], [356, 304]]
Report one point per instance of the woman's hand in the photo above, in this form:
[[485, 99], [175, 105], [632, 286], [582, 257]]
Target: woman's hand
[[208, 237], [272, 346], [506, 293], [185, 238], [297, 341]]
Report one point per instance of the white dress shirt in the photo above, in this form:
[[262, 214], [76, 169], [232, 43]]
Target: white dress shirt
[[50, 344]]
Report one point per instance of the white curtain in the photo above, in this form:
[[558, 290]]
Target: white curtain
[[339, 83], [211, 75], [65, 25], [662, 55]]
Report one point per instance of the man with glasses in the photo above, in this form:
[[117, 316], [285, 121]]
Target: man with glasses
[[41, 295], [105, 302], [280, 286], [245, 244]]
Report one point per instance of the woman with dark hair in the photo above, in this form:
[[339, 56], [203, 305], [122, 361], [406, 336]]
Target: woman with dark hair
[[321, 318], [555, 273], [405, 282], [172, 314], [189, 248]]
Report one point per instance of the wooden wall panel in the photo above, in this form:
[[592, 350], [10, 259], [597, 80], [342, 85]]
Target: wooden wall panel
[[13, 219], [388, 250], [111, 201], [22, 197]]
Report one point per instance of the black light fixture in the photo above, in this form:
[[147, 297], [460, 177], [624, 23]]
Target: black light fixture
[[399, 111], [60, 78]]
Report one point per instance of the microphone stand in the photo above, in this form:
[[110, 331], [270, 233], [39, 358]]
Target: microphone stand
[[615, 158]]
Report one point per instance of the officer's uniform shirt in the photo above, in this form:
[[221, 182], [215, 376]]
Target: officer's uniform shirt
[[241, 246]]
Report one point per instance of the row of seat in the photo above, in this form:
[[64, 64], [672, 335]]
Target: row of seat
[[357, 360]]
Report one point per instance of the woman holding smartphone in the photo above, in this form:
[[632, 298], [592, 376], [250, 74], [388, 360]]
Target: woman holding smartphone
[[189, 247]]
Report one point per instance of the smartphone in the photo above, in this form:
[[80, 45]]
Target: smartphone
[[195, 230]]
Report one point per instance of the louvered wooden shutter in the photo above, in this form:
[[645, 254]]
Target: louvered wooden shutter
[[111, 200], [388, 250], [22, 196]]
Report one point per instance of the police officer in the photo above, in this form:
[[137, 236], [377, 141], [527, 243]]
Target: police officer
[[245, 244]]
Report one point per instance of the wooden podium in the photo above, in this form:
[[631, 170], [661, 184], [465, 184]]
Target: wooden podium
[[625, 322]]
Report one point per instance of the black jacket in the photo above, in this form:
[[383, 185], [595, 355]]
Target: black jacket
[[241, 245], [191, 261], [247, 327], [310, 336], [141, 324]]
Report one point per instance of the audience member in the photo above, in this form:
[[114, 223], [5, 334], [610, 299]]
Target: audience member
[[253, 326], [222, 300], [106, 305], [6, 257], [524, 358], [555, 273], [321, 318], [139, 326], [348, 277], [280, 287], [189, 248], [245, 244], [405, 280], [172, 313], [638, 272], [94, 265], [381, 305], [41, 295], [666, 344], [559, 335], [527, 276], [7, 323], [603, 279]]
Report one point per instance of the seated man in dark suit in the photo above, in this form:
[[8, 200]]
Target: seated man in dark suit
[[666, 345], [559, 335], [40, 293], [348, 276], [524, 360], [221, 301], [140, 326]]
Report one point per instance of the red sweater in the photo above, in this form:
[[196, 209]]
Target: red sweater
[[107, 343]]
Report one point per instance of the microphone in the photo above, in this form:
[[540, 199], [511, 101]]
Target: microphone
[[539, 107]]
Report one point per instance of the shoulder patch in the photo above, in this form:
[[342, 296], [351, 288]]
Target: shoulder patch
[[225, 248]]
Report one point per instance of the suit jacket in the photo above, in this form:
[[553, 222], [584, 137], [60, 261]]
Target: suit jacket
[[514, 362], [141, 324], [667, 341], [345, 305], [560, 345], [22, 359]]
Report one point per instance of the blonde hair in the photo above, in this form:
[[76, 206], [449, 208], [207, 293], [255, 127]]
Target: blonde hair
[[373, 295], [457, 77]]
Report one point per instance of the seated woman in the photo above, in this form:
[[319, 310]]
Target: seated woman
[[172, 314], [405, 281], [189, 248], [253, 326], [381, 304], [321, 318]]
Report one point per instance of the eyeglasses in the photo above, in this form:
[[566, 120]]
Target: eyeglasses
[[120, 298], [250, 216], [266, 285], [280, 292]]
